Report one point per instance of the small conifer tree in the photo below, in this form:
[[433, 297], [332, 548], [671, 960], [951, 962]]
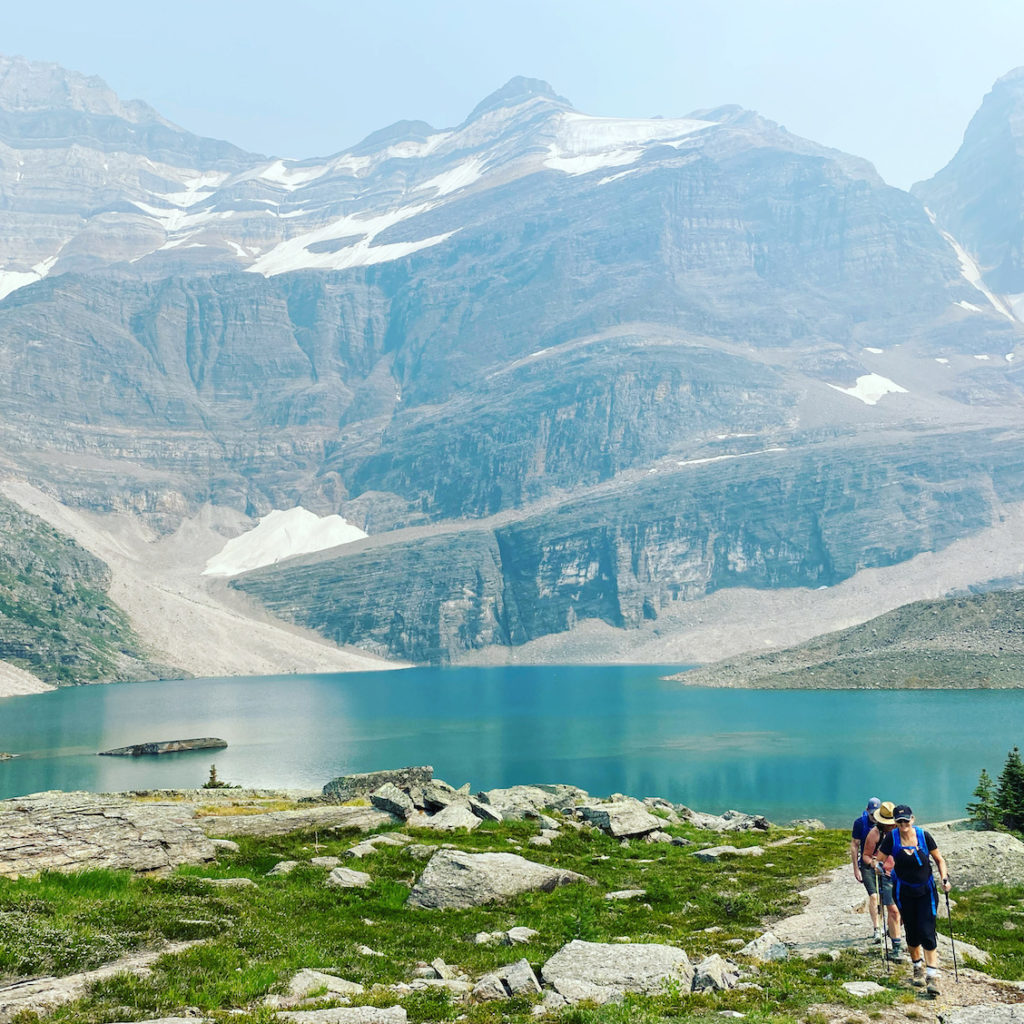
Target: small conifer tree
[[1010, 793], [213, 782], [984, 810]]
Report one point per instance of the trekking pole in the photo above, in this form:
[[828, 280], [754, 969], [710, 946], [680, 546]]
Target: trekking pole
[[882, 918], [952, 941]]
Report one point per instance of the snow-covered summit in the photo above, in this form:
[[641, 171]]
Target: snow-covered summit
[[279, 535]]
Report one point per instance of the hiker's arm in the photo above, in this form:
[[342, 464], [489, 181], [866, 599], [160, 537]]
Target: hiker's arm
[[855, 858], [870, 845], [940, 863]]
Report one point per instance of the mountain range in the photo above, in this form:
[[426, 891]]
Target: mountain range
[[657, 389]]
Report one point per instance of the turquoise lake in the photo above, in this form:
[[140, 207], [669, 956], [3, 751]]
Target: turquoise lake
[[786, 754]]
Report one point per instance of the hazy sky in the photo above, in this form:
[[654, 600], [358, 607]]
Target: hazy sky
[[895, 82]]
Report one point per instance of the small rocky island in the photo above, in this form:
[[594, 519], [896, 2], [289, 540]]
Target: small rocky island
[[166, 747], [6, 757]]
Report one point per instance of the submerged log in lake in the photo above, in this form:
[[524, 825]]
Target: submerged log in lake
[[166, 747]]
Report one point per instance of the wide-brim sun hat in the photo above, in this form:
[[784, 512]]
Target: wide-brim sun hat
[[884, 814]]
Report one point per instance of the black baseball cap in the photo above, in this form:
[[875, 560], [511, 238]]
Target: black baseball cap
[[902, 812]]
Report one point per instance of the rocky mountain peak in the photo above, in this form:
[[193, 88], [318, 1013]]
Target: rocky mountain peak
[[30, 87], [514, 92], [979, 195]]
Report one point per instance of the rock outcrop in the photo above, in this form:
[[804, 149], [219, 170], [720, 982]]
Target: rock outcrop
[[166, 747], [68, 831], [362, 784], [980, 858]]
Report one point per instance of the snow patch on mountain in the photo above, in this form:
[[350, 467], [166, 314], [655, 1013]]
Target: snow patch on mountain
[[281, 534], [870, 388], [12, 280], [584, 143]]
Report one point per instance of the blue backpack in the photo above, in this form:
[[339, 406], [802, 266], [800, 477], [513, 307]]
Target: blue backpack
[[912, 888]]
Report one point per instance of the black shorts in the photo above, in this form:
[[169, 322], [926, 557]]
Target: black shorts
[[918, 913], [871, 884]]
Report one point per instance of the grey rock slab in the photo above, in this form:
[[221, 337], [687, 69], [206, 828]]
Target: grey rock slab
[[520, 979], [173, 1020], [715, 852], [624, 967], [421, 851], [325, 862], [862, 988], [622, 819], [730, 821], [453, 878], [573, 990], [987, 1013], [625, 894], [484, 811], [279, 823], [443, 970], [283, 867], [347, 878], [388, 839], [390, 799], [346, 1015], [539, 841], [76, 831], [308, 981], [520, 935], [361, 850], [516, 803], [230, 883], [362, 784], [227, 845]]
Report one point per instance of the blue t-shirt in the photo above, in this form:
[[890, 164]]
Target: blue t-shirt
[[861, 827]]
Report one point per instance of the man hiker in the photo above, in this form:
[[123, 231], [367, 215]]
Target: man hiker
[[865, 873], [906, 850], [884, 824]]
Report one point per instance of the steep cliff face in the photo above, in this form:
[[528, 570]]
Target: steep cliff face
[[625, 554], [979, 195]]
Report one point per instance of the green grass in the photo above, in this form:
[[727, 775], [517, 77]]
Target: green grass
[[991, 918], [257, 938]]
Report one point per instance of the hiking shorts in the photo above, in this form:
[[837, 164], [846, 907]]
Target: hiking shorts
[[870, 881], [918, 919]]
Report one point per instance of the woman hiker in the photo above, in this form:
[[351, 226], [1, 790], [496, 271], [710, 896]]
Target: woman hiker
[[906, 850], [884, 824]]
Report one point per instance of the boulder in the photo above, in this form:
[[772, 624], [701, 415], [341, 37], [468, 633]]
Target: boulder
[[519, 935], [615, 968], [420, 851], [715, 974], [625, 894], [520, 979], [862, 988], [489, 989], [361, 850], [980, 858], [227, 845], [484, 811], [79, 831], [452, 817], [347, 878], [453, 878], [325, 862], [539, 841], [230, 883], [277, 823], [622, 819], [351, 787], [435, 795], [390, 799], [730, 821], [520, 802]]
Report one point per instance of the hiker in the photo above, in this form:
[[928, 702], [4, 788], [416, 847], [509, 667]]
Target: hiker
[[884, 824], [906, 850], [865, 873]]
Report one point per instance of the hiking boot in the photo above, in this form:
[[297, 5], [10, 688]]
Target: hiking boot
[[876, 936], [896, 955], [918, 978], [934, 986]]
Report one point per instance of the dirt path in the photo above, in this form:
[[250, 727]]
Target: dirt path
[[836, 918]]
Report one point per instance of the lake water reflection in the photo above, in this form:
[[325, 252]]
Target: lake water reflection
[[607, 729]]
